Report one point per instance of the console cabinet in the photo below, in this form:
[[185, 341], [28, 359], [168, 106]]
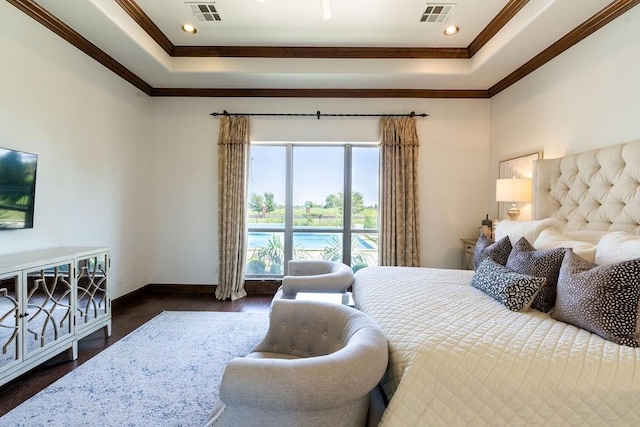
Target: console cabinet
[[49, 300]]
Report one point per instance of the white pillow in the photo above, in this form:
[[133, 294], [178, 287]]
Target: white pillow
[[550, 238], [590, 236], [527, 229], [617, 246]]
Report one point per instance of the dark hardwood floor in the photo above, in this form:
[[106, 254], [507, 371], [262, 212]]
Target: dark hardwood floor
[[127, 315]]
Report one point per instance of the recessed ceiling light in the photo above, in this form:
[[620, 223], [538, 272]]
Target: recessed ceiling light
[[189, 29], [449, 31]]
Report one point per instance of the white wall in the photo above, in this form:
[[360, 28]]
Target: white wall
[[183, 217], [139, 175], [588, 97], [90, 131]]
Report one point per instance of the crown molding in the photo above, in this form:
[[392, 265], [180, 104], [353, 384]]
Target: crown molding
[[40, 14], [331, 52], [142, 19], [320, 93], [597, 21], [508, 11], [582, 31]]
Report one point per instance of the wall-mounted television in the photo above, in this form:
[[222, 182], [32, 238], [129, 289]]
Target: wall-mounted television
[[17, 189]]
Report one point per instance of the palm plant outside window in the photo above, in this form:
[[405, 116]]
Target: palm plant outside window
[[311, 202]]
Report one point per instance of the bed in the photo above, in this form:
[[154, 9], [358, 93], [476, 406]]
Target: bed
[[459, 356]]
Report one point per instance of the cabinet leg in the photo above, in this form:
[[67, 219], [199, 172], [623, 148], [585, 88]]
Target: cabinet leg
[[107, 330], [72, 353]]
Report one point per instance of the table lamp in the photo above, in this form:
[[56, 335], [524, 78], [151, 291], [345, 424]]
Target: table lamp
[[513, 190]]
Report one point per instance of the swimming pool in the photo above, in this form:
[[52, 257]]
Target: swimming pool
[[309, 241]]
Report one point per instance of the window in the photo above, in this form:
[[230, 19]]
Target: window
[[311, 202]]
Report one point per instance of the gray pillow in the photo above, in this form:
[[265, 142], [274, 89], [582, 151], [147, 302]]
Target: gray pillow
[[601, 299], [524, 259], [488, 248], [516, 291]]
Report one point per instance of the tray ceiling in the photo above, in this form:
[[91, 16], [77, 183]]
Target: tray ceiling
[[369, 48]]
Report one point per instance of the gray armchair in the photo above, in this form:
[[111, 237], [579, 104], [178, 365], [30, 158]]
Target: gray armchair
[[315, 367], [315, 276]]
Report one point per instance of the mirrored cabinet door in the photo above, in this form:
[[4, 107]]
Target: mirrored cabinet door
[[92, 300], [9, 319], [48, 313]]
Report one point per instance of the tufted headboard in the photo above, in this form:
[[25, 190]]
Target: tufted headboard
[[593, 190]]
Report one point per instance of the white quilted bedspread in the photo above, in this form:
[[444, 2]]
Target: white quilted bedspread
[[458, 357]]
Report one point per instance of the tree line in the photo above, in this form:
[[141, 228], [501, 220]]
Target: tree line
[[266, 203]]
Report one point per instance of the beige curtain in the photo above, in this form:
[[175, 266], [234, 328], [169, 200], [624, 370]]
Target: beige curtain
[[400, 222], [233, 147]]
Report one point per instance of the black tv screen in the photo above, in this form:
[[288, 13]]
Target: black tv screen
[[17, 189]]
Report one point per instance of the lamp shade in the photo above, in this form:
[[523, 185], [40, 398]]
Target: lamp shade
[[513, 190]]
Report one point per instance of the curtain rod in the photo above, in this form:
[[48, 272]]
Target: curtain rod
[[318, 114]]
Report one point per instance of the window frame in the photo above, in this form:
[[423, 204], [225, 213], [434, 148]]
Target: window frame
[[346, 230]]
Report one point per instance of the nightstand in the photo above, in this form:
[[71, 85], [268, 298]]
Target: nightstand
[[468, 248]]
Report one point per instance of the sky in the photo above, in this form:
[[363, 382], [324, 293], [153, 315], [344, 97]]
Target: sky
[[318, 171]]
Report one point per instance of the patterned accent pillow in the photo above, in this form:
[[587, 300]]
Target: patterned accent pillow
[[487, 248], [524, 259], [516, 291], [602, 299]]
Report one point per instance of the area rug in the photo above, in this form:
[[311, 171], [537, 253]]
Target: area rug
[[165, 373]]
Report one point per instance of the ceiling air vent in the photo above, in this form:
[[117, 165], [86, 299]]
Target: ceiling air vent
[[437, 12], [204, 11]]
